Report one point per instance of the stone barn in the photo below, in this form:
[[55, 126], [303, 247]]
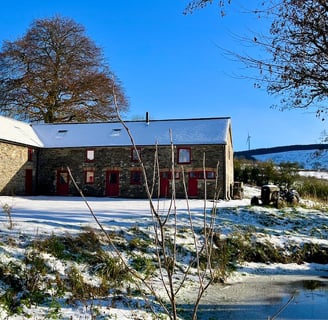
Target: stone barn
[[18, 157], [191, 157]]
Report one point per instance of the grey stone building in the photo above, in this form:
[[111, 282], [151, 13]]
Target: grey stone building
[[18, 157], [192, 157]]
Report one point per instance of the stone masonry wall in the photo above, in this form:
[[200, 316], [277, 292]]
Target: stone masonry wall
[[13, 164], [119, 159]]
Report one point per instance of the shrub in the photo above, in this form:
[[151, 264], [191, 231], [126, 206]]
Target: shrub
[[143, 264], [263, 172], [310, 187], [80, 248], [111, 269]]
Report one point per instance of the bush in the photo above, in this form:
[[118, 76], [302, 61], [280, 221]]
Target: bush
[[110, 269], [80, 248], [313, 188], [264, 172], [143, 264]]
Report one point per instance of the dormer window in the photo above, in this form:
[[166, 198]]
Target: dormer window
[[90, 155], [116, 132], [61, 133]]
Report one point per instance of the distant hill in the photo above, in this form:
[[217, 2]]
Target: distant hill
[[309, 157]]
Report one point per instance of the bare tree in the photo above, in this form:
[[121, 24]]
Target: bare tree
[[293, 54], [55, 73], [199, 4], [298, 50], [173, 272], [171, 265]]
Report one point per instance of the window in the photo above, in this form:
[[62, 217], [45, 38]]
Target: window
[[184, 155], [193, 175], [210, 174], [61, 133], [136, 177], [90, 155], [116, 132], [134, 154], [89, 176], [200, 174], [168, 175], [30, 152], [177, 175]]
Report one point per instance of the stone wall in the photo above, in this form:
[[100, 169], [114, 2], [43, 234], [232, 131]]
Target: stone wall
[[14, 161], [119, 159]]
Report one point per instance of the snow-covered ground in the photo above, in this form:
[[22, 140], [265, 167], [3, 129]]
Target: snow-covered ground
[[316, 174], [35, 217], [307, 159]]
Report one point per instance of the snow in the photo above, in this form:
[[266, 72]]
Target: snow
[[19, 132], [307, 159], [187, 131], [323, 175], [184, 132], [35, 217]]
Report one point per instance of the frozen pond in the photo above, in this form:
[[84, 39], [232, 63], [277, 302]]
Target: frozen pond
[[276, 297]]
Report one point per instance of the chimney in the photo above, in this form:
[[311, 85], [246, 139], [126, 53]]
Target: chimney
[[147, 117]]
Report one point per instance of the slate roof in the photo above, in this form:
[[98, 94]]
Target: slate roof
[[184, 132], [18, 132]]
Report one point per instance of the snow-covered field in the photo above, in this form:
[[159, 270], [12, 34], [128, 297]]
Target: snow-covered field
[[307, 159], [316, 174], [35, 217]]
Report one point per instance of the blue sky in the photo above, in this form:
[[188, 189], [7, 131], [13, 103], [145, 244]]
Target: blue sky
[[170, 64]]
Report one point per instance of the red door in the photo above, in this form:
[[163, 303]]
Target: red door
[[112, 183], [28, 182], [62, 182], [192, 185], [164, 184]]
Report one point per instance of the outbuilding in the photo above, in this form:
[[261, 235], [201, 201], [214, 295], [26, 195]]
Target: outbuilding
[[191, 157]]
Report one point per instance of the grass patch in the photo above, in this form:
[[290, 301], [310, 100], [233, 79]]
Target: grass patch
[[81, 248], [144, 265]]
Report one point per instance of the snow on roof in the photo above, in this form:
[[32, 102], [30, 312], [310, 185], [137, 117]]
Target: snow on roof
[[184, 132], [18, 132]]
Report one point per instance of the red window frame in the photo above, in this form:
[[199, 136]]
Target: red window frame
[[198, 174], [193, 174], [136, 177], [30, 152], [177, 175], [89, 179], [88, 157], [180, 156], [168, 175]]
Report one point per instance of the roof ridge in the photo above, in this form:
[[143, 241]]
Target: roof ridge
[[130, 121]]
